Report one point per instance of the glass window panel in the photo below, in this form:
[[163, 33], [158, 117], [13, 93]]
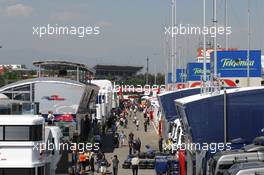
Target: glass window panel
[[40, 170], [22, 96], [5, 111], [27, 108], [22, 88], [9, 95], [16, 108], [1, 133], [36, 132], [17, 133]]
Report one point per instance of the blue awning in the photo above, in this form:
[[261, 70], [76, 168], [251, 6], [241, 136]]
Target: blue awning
[[205, 116], [167, 104]]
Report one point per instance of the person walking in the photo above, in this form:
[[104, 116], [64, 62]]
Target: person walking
[[139, 144], [99, 156], [148, 120], [115, 163], [145, 114], [122, 137], [135, 163], [51, 118], [82, 160], [135, 111], [134, 145], [113, 127], [104, 164], [137, 124], [130, 146], [135, 119], [161, 144], [94, 122], [131, 136], [126, 123], [92, 164], [146, 126], [87, 155]]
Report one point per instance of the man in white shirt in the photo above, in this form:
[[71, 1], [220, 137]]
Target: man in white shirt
[[135, 162], [51, 117]]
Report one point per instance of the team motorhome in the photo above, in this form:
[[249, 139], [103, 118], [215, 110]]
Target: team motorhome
[[19, 134], [104, 100], [69, 101], [24, 145]]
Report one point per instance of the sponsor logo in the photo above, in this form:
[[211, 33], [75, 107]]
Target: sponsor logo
[[199, 71], [65, 118], [228, 62], [53, 98]]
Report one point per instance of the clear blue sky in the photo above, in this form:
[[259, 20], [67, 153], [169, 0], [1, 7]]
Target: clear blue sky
[[131, 30]]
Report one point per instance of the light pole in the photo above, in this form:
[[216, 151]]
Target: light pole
[[147, 71], [215, 41], [248, 49], [204, 42]]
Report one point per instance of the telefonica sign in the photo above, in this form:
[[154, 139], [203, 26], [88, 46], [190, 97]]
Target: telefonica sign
[[229, 62], [195, 71], [199, 71], [235, 63]]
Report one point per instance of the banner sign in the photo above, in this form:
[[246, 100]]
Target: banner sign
[[169, 77], [234, 63], [195, 71], [208, 52], [180, 75]]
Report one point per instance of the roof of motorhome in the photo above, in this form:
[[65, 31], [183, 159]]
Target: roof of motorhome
[[21, 120], [62, 65], [198, 97], [165, 93], [43, 79], [179, 90]]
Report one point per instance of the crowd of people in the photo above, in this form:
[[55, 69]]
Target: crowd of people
[[97, 161], [92, 162]]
